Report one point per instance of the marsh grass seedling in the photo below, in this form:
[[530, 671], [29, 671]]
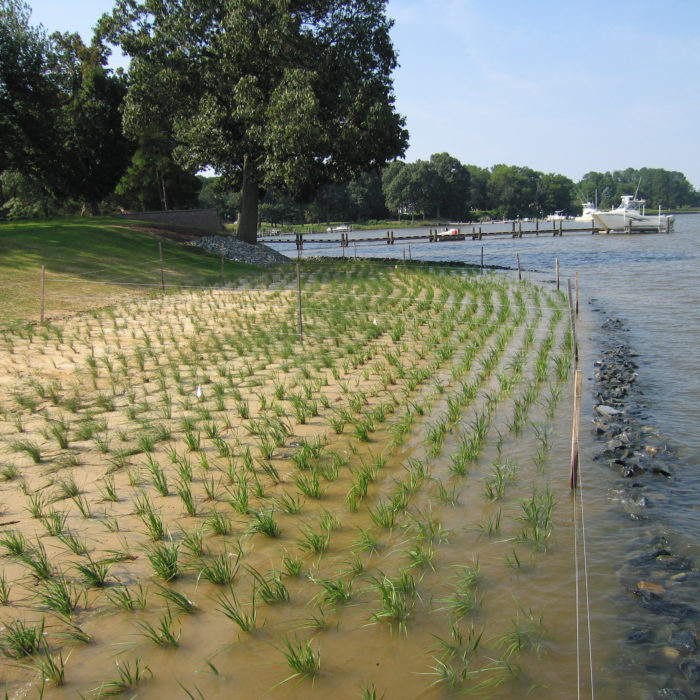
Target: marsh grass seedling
[[309, 484], [220, 570], [179, 600], [20, 640], [218, 523], [15, 543], [232, 609], [396, 605], [301, 659], [54, 521], [128, 679], [164, 634], [28, 447], [184, 490], [94, 573], [527, 634], [164, 560], [5, 589], [289, 504], [291, 566], [264, 523], [271, 588], [58, 594], [127, 598]]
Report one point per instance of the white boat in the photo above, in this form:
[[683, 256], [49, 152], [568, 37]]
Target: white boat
[[343, 228], [557, 216], [450, 234], [588, 210], [631, 217]]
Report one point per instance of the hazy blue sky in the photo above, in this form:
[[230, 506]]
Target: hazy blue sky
[[561, 86]]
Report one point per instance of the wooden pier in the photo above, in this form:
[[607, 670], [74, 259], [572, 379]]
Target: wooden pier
[[476, 232]]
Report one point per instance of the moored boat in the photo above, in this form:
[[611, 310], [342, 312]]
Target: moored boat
[[589, 209], [630, 217], [450, 234]]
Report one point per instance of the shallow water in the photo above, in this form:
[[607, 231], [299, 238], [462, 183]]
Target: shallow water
[[650, 283]]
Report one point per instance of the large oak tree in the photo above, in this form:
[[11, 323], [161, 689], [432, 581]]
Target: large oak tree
[[284, 93]]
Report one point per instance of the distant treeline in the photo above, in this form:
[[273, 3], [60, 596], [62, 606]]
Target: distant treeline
[[77, 136], [443, 188]]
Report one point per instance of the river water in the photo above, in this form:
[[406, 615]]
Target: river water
[[650, 283]]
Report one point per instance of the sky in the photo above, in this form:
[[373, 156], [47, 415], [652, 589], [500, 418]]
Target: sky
[[564, 86]]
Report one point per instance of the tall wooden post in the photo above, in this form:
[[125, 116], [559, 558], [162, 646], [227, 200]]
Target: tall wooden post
[[573, 477], [576, 293], [41, 295], [520, 276], [301, 331], [162, 273], [556, 264], [573, 323], [482, 260]]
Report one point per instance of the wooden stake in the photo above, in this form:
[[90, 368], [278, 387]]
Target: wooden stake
[[482, 257], [573, 323], [41, 296], [556, 261], [577, 294], [162, 274], [573, 477], [520, 277], [301, 330]]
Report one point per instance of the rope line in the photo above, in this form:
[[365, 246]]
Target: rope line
[[587, 587], [576, 577]]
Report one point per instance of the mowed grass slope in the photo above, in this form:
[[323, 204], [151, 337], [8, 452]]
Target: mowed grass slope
[[91, 262]]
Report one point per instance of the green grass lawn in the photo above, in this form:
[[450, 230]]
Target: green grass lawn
[[89, 262]]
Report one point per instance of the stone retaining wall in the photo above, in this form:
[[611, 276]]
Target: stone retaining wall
[[200, 219]]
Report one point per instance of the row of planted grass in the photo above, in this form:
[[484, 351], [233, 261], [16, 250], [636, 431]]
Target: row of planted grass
[[175, 443]]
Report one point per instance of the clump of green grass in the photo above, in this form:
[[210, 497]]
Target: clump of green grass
[[265, 524], [27, 447], [20, 639], [221, 569], [301, 659], [232, 609], [164, 560], [271, 588], [164, 634], [128, 678]]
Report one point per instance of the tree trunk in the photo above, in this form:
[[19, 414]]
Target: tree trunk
[[247, 228]]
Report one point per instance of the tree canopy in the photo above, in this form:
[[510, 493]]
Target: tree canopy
[[269, 93], [60, 118]]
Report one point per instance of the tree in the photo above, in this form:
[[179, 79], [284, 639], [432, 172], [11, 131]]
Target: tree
[[414, 188], [478, 187], [454, 187], [94, 152], [286, 93], [367, 198], [555, 193], [512, 190], [29, 99], [153, 180], [60, 123]]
